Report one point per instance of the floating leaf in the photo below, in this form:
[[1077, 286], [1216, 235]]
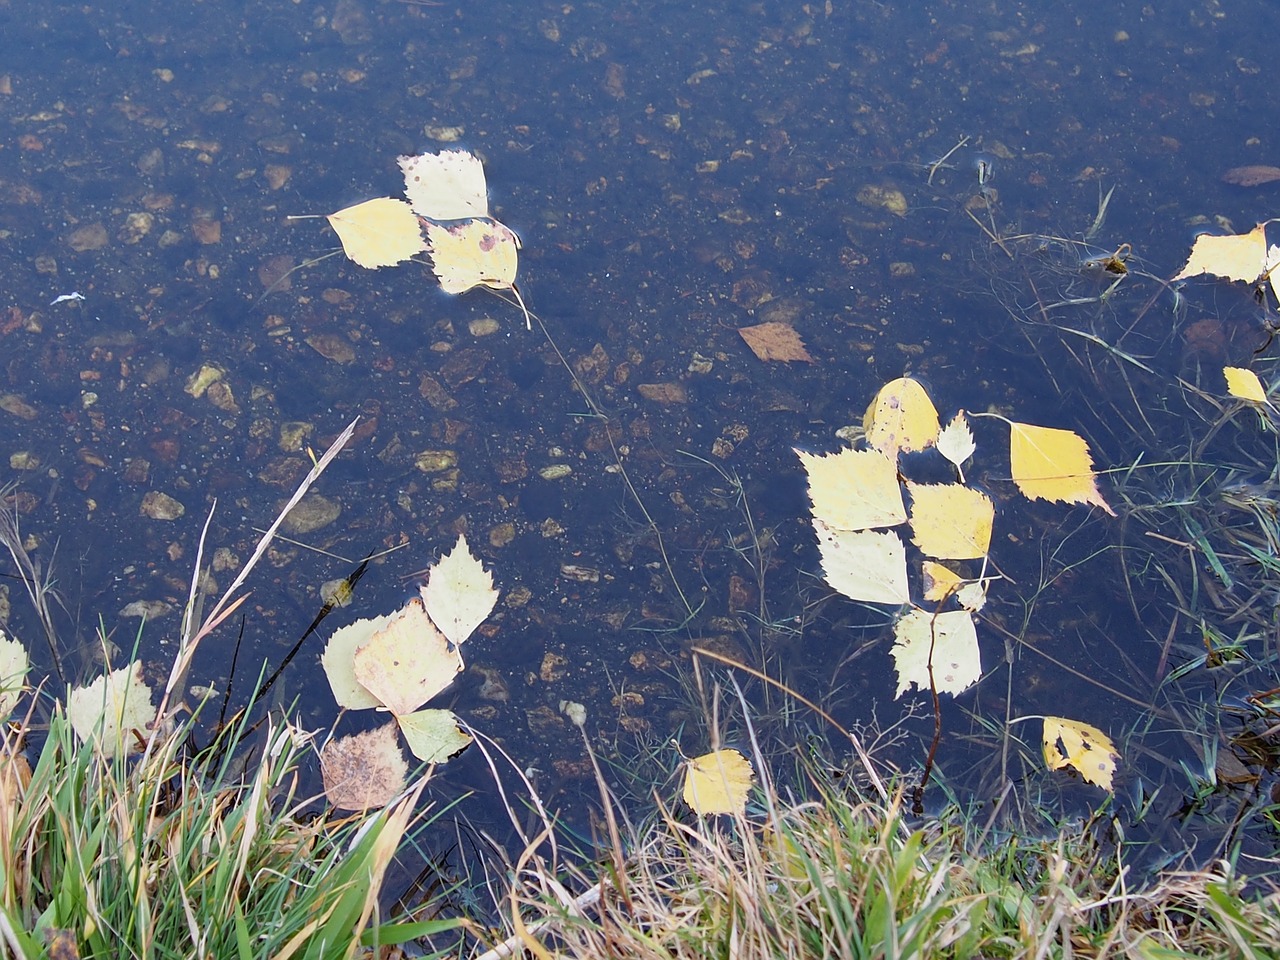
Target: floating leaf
[[365, 770], [949, 640], [1071, 743], [448, 185], [407, 662], [901, 418], [13, 673], [338, 661], [1244, 384], [955, 442], [718, 782], [950, 521], [433, 735], [378, 233], [473, 254], [864, 564], [854, 489], [1237, 257], [1052, 464], [775, 341], [114, 712], [939, 581], [459, 593]]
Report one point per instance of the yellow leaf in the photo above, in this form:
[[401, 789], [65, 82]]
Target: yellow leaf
[[940, 581], [1071, 743], [13, 673], [459, 593], [433, 735], [854, 489], [1238, 257], [864, 564], [338, 661], [365, 770], [448, 185], [113, 712], [901, 418], [718, 782], [407, 662], [472, 254], [378, 233], [950, 521], [1244, 384], [1052, 464], [947, 640]]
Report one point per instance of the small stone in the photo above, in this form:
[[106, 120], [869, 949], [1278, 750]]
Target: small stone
[[313, 512], [160, 506]]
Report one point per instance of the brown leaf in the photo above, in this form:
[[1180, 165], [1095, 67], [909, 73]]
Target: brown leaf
[[775, 341], [1254, 175]]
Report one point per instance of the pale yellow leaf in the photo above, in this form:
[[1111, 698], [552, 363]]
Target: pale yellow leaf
[[955, 442], [378, 233], [854, 489], [718, 782], [950, 521], [472, 254], [365, 770], [948, 640], [338, 661], [13, 673], [448, 185], [973, 595], [407, 662], [1238, 257], [1072, 743], [864, 564], [901, 418], [1244, 384], [1052, 464], [433, 735], [459, 593], [114, 712]]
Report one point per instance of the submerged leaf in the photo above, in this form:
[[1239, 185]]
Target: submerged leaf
[[448, 185], [854, 489], [1085, 748], [365, 770], [407, 662], [378, 233], [901, 418], [864, 564], [775, 341], [114, 712], [433, 735], [718, 782], [948, 640], [459, 593], [1052, 464]]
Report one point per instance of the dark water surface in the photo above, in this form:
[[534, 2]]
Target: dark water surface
[[676, 171]]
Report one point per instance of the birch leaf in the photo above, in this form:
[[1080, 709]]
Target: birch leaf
[[113, 712], [433, 735], [950, 521], [338, 661], [939, 581], [775, 341], [854, 489], [1081, 746], [378, 233], [864, 564], [448, 185], [1244, 384], [365, 770], [1237, 257], [407, 662], [459, 593], [901, 418], [473, 254], [718, 782], [13, 673], [1052, 464], [949, 640], [955, 442]]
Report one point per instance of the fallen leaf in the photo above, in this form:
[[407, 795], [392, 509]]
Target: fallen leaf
[[1237, 257], [1072, 743], [950, 521], [775, 341], [473, 254], [407, 662], [433, 735], [113, 711], [338, 661], [1244, 384], [459, 593], [448, 185], [939, 581], [1253, 175], [1052, 464], [378, 233], [718, 782], [854, 489], [13, 673], [949, 640], [365, 770], [955, 442], [864, 564], [901, 418]]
